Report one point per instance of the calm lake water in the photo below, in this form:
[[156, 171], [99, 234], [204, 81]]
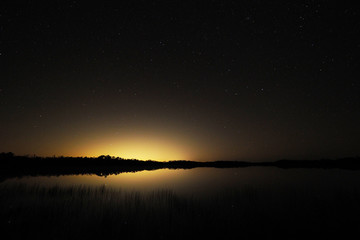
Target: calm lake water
[[204, 203], [205, 182]]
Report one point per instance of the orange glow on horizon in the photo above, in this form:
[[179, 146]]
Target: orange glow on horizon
[[134, 142], [135, 147]]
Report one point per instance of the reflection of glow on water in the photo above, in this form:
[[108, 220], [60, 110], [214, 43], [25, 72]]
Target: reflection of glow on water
[[198, 181], [205, 182], [141, 179]]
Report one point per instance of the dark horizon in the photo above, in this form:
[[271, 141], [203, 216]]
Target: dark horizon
[[166, 80], [31, 156], [9, 158], [13, 166]]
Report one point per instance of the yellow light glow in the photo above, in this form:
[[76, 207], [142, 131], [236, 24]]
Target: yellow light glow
[[138, 147]]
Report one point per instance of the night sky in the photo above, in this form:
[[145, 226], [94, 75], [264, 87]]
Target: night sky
[[169, 80]]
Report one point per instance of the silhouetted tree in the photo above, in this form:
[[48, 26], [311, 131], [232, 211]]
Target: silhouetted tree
[[104, 157], [7, 155]]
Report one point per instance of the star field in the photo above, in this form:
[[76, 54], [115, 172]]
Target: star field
[[216, 80]]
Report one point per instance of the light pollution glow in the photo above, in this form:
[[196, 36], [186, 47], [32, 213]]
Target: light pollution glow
[[142, 145], [140, 148], [160, 142]]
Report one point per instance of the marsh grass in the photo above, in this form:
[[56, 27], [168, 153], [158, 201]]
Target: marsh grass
[[103, 212]]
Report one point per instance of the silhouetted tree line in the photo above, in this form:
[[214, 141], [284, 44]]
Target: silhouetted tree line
[[17, 166]]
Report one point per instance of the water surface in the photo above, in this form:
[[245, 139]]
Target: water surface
[[208, 181]]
